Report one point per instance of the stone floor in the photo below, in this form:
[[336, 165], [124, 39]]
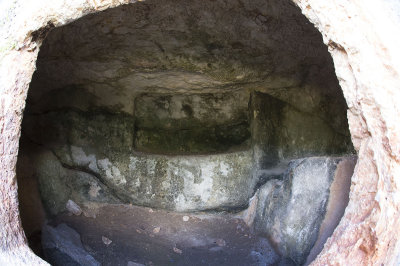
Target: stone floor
[[125, 235]]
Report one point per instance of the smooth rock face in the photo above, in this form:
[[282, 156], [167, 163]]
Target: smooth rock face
[[62, 246], [290, 211]]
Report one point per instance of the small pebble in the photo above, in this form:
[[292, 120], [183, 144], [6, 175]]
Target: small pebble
[[156, 230], [185, 218], [221, 242], [177, 250], [73, 208], [106, 240]]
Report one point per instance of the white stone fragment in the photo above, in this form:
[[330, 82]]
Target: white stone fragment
[[73, 208], [106, 240]]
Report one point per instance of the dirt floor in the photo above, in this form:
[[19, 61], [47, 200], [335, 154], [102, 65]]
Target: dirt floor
[[124, 235]]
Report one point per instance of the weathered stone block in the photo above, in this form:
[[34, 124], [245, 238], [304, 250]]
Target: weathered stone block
[[183, 183], [290, 211], [191, 183]]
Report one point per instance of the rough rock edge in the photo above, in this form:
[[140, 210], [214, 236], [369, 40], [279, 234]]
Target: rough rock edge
[[362, 237], [16, 69], [337, 202]]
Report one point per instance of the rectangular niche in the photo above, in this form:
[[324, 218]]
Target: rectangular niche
[[192, 123]]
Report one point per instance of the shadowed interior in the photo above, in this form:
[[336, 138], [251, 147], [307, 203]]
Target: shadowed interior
[[183, 106]]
